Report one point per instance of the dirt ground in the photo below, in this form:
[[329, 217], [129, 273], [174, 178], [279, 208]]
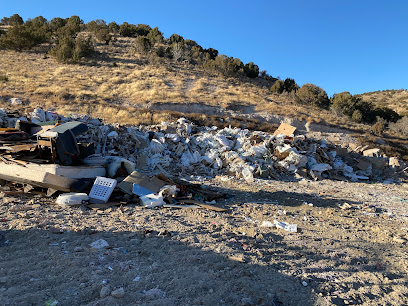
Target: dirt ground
[[350, 248]]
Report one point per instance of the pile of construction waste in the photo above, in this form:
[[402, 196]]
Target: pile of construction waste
[[186, 148], [79, 147]]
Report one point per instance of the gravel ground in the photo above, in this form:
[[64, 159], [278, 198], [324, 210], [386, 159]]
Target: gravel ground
[[350, 248]]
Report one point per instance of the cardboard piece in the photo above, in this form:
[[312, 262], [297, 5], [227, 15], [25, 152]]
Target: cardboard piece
[[285, 129], [153, 184]]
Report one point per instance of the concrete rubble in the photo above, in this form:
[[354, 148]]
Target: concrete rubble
[[184, 149]]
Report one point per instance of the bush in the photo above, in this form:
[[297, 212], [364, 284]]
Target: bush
[[113, 27], [213, 53], [127, 30], [379, 127], [175, 38], [288, 85], [225, 65], [278, 86], [177, 50], [100, 29], [3, 77], [155, 36], [251, 70], [64, 49], [143, 29], [4, 21], [83, 48], [70, 50], [15, 20], [143, 44], [26, 36], [400, 127], [57, 23], [103, 35], [344, 103], [313, 95], [161, 51], [357, 116]]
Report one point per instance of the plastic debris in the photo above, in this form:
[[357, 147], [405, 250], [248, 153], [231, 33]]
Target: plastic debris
[[285, 226]]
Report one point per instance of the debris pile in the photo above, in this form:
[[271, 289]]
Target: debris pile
[[65, 150]]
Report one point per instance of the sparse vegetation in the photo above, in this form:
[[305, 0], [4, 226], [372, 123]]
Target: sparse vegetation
[[400, 127]]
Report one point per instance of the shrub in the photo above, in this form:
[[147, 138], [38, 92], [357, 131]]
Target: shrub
[[161, 51], [290, 85], [278, 86], [57, 23], [343, 103], [177, 50], [103, 35], [74, 22], [113, 27], [155, 36], [379, 127], [143, 29], [25, 36], [83, 48], [64, 49], [400, 127], [225, 65], [3, 77], [4, 21], [313, 95], [127, 30], [213, 53], [175, 38], [15, 20], [251, 70], [357, 116], [70, 50], [143, 44]]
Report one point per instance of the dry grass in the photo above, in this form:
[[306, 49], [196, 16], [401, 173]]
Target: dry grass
[[117, 78], [397, 100]]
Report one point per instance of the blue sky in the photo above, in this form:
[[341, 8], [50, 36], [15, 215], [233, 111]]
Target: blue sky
[[339, 45]]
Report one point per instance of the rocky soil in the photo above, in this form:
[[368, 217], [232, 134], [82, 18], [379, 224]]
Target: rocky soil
[[350, 248]]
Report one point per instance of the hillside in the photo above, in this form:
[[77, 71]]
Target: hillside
[[119, 77], [397, 100]]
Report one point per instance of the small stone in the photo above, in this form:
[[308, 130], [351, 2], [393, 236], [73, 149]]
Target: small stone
[[136, 279], [304, 283], [155, 294], [118, 293], [99, 244], [105, 291], [3, 280], [78, 249], [82, 285], [135, 241]]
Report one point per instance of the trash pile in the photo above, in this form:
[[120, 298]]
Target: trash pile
[[48, 150]]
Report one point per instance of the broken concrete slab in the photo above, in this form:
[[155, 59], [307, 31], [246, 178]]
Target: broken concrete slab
[[372, 153], [24, 175]]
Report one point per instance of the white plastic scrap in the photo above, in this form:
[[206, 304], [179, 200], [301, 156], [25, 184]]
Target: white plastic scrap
[[285, 226]]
